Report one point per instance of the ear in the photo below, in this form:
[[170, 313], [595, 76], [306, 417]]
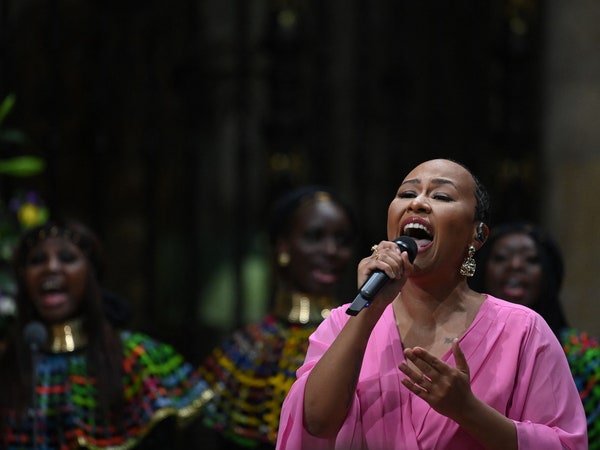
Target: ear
[[482, 232]]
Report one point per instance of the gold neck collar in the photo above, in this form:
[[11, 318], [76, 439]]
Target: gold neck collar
[[67, 336], [300, 308]]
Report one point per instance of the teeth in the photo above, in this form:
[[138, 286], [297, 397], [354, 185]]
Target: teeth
[[513, 282], [50, 284], [418, 226]]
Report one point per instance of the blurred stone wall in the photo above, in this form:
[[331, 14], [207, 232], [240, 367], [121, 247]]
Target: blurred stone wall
[[571, 151], [171, 126]]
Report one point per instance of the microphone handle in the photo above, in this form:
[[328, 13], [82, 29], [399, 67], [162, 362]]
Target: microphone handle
[[378, 278], [357, 305], [367, 292]]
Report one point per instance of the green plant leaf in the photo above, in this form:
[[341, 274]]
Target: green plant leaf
[[22, 166], [6, 105]]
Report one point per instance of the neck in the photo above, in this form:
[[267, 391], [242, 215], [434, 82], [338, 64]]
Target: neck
[[438, 305], [298, 307], [67, 336]]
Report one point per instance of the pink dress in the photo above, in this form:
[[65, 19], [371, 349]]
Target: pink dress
[[517, 366]]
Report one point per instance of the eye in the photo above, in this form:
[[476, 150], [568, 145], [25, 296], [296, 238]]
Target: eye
[[343, 239], [36, 258], [314, 235], [498, 258], [406, 194], [67, 256], [442, 197]]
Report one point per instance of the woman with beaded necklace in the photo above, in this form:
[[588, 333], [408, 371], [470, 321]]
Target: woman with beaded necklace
[[94, 385], [312, 233]]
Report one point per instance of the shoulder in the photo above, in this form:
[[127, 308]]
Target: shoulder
[[511, 312], [337, 319], [133, 339], [517, 321], [140, 348], [267, 332], [339, 314], [253, 344], [501, 304]]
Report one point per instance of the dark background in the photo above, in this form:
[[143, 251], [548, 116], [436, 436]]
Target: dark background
[[169, 127]]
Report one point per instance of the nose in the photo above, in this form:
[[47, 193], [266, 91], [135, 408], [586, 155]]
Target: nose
[[53, 264], [330, 245], [419, 203], [516, 262]]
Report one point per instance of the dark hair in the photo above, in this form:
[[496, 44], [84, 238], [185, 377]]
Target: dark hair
[[482, 207], [104, 351], [75, 232], [285, 207], [482, 197], [548, 305]]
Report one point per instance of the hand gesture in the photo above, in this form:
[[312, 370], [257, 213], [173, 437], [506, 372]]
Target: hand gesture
[[447, 389]]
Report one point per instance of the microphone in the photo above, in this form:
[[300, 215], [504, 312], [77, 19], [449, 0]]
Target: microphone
[[35, 336], [378, 278]]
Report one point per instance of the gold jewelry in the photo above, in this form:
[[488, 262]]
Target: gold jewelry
[[300, 308], [322, 196], [53, 231], [67, 336], [283, 258], [375, 251], [318, 196], [469, 265]]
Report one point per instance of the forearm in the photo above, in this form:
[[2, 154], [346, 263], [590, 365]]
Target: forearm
[[488, 426], [331, 385]]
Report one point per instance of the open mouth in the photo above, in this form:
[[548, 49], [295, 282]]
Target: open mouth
[[52, 292], [419, 232], [51, 284], [324, 276], [513, 289]]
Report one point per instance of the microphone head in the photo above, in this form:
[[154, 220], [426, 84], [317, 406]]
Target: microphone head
[[408, 245], [35, 335]]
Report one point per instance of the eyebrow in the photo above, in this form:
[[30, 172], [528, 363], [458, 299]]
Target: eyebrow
[[440, 181]]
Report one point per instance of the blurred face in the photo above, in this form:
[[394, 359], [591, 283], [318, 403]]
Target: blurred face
[[514, 269], [320, 247], [55, 277], [435, 205]]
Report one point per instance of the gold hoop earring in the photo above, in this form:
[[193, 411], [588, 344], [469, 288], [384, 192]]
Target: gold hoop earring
[[467, 268], [283, 259]]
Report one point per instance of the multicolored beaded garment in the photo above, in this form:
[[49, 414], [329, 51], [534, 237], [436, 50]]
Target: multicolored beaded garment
[[159, 384], [583, 354], [250, 374]]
